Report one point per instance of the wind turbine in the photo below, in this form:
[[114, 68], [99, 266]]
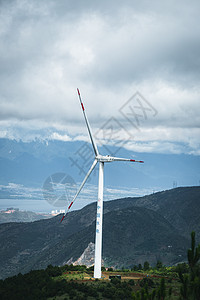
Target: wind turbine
[[101, 159]]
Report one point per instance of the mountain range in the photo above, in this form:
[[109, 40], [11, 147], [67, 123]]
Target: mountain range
[[30, 163], [154, 227]]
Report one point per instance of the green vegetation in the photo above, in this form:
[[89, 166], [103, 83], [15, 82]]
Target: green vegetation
[[181, 282], [190, 277], [76, 282]]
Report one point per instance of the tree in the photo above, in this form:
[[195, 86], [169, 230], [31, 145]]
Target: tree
[[182, 268], [143, 294], [170, 292], [110, 269], [135, 268], [139, 267], [162, 288], [146, 281], [131, 282], [184, 288], [146, 265], [53, 271], [193, 254], [159, 265], [190, 288]]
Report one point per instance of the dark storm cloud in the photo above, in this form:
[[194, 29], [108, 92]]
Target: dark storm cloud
[[109, 49]]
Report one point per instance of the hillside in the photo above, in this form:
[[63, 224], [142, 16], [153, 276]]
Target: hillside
[[133, 233], [180, 206], [27, 246]]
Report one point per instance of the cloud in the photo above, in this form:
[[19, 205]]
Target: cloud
[[110, 50], [59, 137]]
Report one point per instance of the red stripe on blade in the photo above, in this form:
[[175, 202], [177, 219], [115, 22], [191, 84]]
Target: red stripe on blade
[[62, 218], [141, 161], [132, 159], [70, 205], [82, 106], [78, 92]]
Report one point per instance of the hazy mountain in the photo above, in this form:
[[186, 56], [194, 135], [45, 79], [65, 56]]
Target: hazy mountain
[[15, 215], [30, 163], [132, 234]]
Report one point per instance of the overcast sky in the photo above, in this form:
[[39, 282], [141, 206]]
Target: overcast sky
[[110, 50]]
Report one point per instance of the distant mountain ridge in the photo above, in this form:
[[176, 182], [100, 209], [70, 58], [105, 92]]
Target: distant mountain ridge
[[30, 163], [15, 215], [134, 230]]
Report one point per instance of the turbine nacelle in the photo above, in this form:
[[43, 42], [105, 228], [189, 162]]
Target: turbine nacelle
[[108, 158], [104, 158]]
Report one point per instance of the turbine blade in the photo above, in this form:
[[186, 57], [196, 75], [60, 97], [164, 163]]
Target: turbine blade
[[126, 159], [88, 126], [80, 188], [139, 161]]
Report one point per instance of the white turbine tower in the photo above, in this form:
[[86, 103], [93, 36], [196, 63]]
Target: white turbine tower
[[99, 219]]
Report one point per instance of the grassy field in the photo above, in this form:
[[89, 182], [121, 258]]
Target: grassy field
[[129, 280], [84, 276]]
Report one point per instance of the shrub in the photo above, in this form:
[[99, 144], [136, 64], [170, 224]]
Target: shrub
[[147, 281], [131, 282]]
